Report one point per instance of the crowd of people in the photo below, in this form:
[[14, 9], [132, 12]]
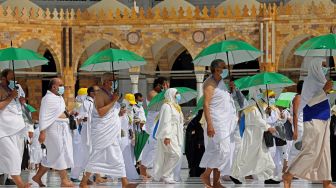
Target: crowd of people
[[236, 136]]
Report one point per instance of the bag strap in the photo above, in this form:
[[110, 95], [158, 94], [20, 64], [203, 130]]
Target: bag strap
[[66, 113]]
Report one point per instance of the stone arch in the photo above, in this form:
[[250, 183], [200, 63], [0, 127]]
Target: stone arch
[[167, 43], [89, 41], [293, 40], [43, 45], [231, 35], [83, 55]]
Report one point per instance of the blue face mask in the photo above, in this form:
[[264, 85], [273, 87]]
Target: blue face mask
[[61, 90], [260, 96], [225, 73], [178, 98], [271, 101], [11, 84], [325, 70]]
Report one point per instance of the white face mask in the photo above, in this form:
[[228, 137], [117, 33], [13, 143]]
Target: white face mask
[[325, 70], [271, 101], [225, 73], [61, 90]]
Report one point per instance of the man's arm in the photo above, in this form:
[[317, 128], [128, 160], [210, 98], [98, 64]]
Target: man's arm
[[296, 104], [8, 99], [102, 109], [208, 91]]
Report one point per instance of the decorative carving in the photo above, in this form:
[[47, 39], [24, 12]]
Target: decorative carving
[[198, 36], [133, 38]]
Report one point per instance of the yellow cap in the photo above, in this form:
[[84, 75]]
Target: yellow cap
[[82, 91], [271, 93], [130, 98]]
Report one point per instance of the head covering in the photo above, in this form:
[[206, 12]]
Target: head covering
[[314, 82], [270, 93], [130, 98], [82, 91], [170, 95]]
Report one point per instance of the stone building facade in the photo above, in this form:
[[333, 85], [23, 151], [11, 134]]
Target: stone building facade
[[159, 35]]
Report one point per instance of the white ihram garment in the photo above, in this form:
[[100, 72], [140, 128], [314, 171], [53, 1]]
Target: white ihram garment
[[58, 137], [106, 156], [219, 148]]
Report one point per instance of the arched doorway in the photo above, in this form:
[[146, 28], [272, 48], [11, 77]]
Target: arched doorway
[[50, 67]]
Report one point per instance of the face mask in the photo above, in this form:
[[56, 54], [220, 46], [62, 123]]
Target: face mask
[[129, 108], [115, 85], [178, 98], [325, 70], [11, 84], [61, 90], [139, 104], [271, 101], [225, 73]]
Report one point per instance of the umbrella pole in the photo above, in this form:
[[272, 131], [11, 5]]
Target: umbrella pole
[[14, 73], [267, 96], [228, 61]]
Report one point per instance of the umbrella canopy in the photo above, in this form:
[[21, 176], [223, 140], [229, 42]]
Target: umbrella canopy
[[187, 94], [322, 46], [231, 51], [30, 108], [111, 60], [239, 83], [140, 142], [199, 105], [20, 58], [268, 80], [285, 99]]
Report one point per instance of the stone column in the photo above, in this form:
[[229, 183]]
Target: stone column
[[69, 81], [199, 81], [135, 83], [150, 82]]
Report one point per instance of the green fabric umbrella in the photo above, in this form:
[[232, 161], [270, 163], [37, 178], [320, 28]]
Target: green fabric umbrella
[[239, 83], [111, 60], [267, 80], [324, 45], [231, 51], [187, 94], [20, 58], [141, 138], [285, 99], [199, 105], [30, 108]]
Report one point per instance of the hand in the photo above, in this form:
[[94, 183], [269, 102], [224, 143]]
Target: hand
[[42, 137], [268, 110], [22, 100], [328, 86], [282, 115], [166, 141], [295, 135], [232, 85], [85, 119], [115, 96], [211, 131], [272, 130], [14, 94]]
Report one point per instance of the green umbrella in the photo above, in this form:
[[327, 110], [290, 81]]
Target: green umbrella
[[231, 51], [239, 83], [285, 99], [187, 94], [30, 108], [141, 138], [199, 105], [111, 60], [267, 80], [20, 58], [324, 45]]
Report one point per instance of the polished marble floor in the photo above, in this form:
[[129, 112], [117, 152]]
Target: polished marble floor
[[52, 180]]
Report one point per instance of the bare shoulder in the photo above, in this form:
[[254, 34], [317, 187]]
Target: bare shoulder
[[151, 94], [100, 99], [3, 94], [209, 84]]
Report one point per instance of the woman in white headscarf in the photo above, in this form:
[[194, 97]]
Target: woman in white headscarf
[[313, 162], [253, 157], [169, 137]]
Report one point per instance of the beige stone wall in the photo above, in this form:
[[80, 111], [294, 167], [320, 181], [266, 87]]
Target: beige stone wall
[[290, 23]]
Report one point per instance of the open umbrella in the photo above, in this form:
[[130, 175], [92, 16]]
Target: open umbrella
[[30, 108], [187, 94], [285, 99], [321, 46], [199, 105], [239, 83], [111, 60], [268, 80], [20, 58], [231, 51]]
